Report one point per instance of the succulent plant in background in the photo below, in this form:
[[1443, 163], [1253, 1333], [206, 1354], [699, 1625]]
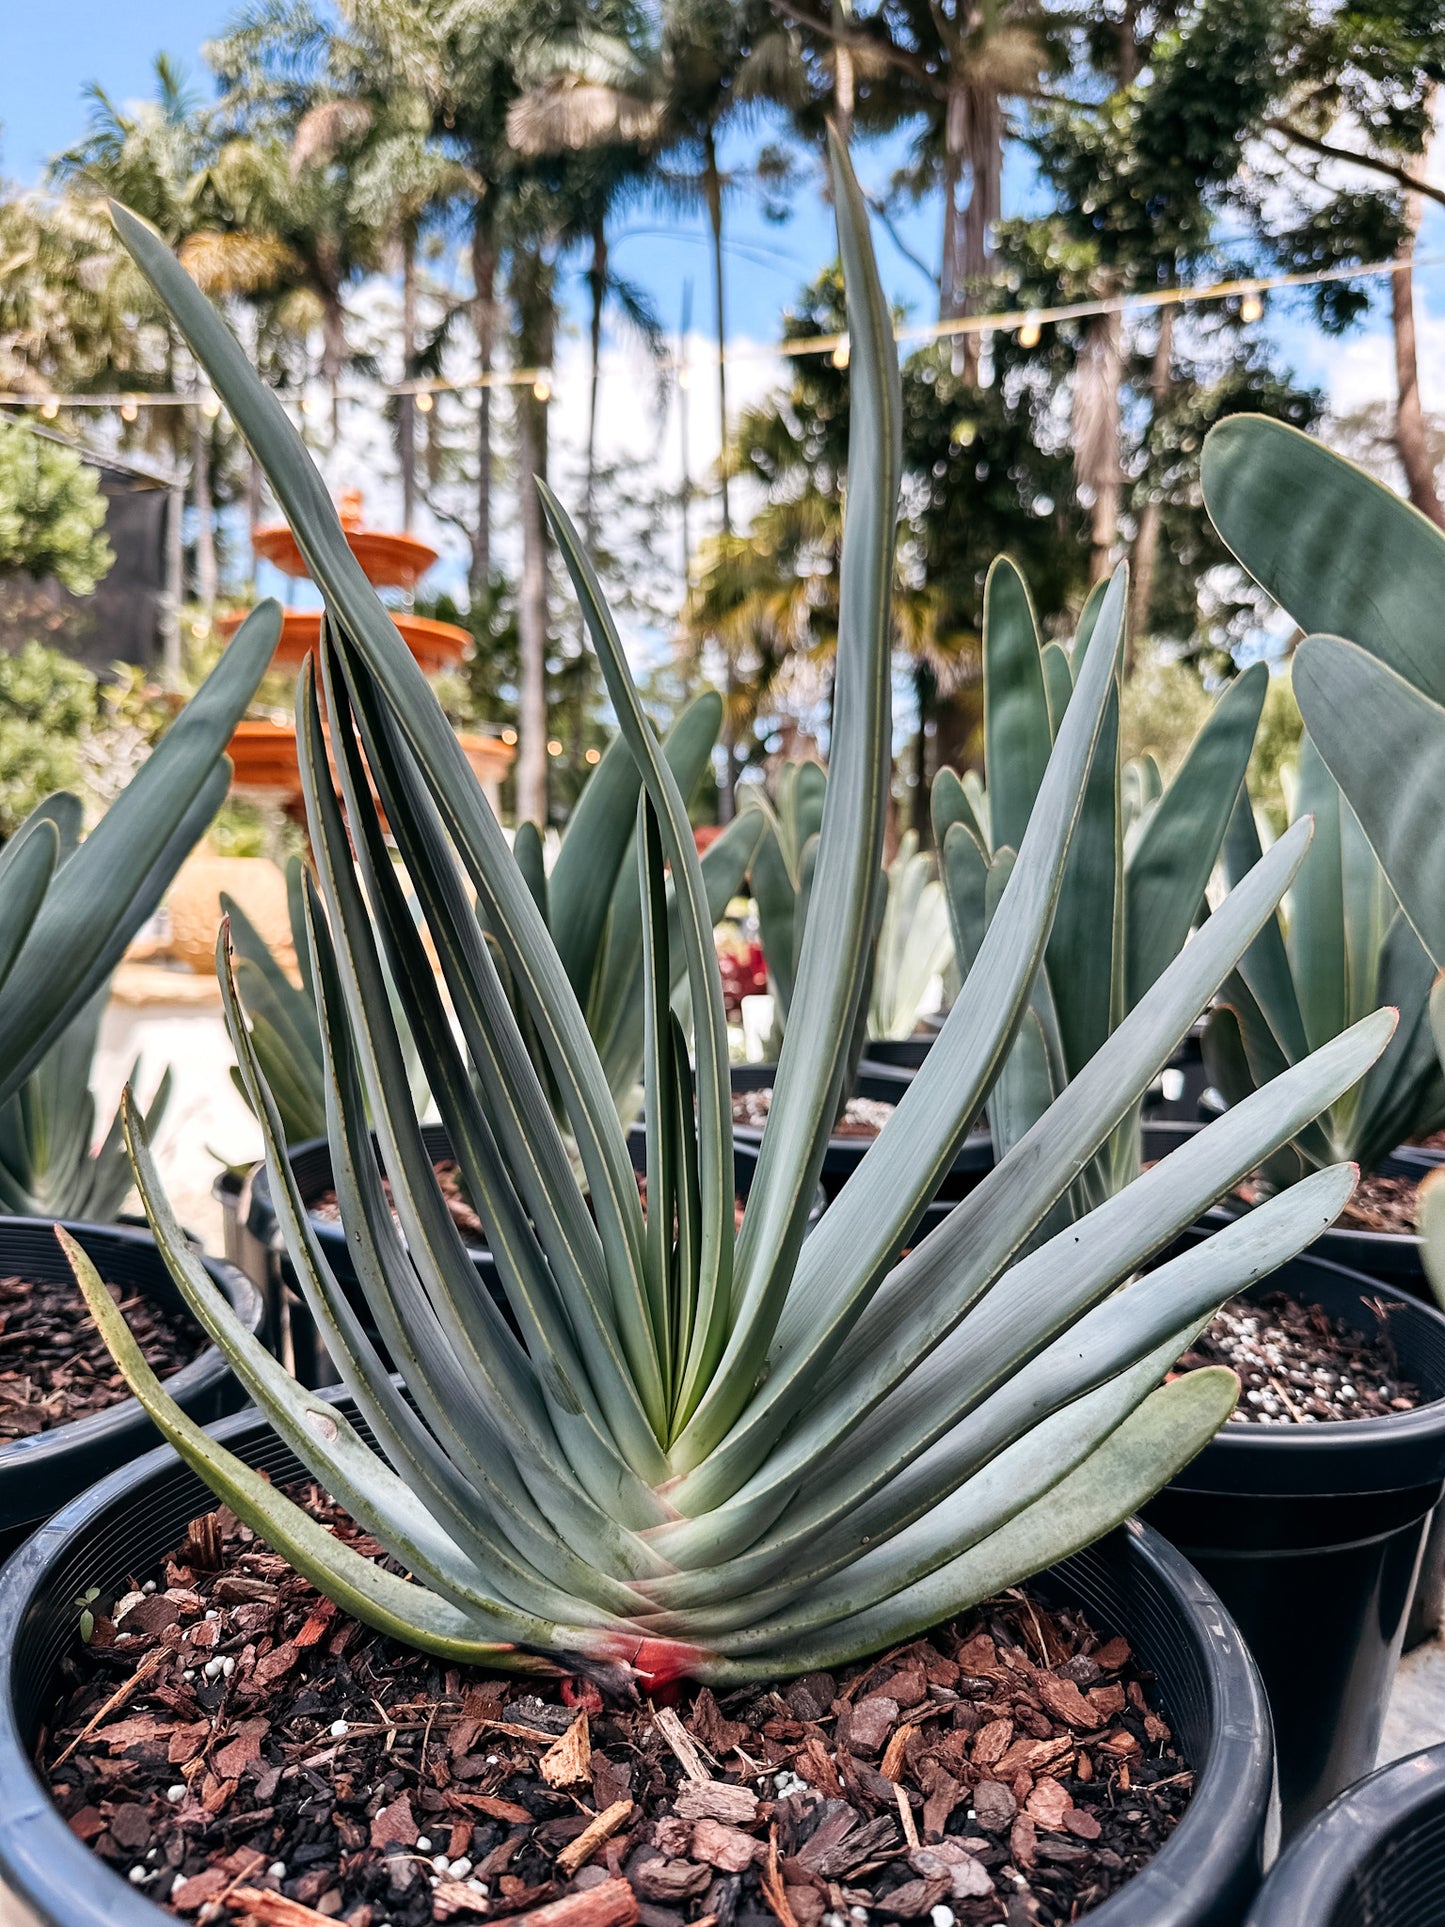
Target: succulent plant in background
[[69, 905], [1341, 947], [914, 945], [1133, 887], [285, 1029], [51, 1163], [1344, 555], [591, 906], [727, 1454]]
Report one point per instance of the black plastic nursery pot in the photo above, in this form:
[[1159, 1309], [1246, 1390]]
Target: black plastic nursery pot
[[904, 1054], [1311, 1535], [1131, 1583], [845, 1154], [42, 1473], [1375, 1855]]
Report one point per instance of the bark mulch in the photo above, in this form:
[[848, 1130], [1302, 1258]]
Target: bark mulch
[[237, 1747], [1383, 1204], [863, 1117], [325, 1208], [1298, 1366], [54, 1366]]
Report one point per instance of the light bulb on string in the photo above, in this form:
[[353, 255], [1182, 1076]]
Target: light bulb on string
[[509, 737], [210, 408], [841, 353], [554, 748], [425, 402], [593, 756], [1030, 332], [1251, 308], [49, 409], [542, 388], [128, 409]]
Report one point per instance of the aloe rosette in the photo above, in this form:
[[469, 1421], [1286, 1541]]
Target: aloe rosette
[[694, 1450]]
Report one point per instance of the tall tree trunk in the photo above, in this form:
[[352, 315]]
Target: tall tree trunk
[[484, 326], [597, 289], [1096, 435], [205, 509], [973, 145], [1411, 441], [712, 180], [333, 351], [1146, 540], [924, 690], [406, 404], [535, 338]]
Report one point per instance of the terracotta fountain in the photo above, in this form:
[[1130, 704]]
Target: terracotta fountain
[[263, 748]]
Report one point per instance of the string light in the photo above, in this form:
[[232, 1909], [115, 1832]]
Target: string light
[[593, 756], [304, 405], [210, 408], [424, 402], [554, 748], [50, 409], [841, 353], [1028, 323], [509, 737]]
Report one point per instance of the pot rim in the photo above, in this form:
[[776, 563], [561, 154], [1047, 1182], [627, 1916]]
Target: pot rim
[[1319, 1869], [208, 1367], [55, 1878], [1331, 1442]]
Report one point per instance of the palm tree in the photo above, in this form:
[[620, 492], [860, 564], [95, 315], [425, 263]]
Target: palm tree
[[149, 158]]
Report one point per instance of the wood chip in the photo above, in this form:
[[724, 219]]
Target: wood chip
[[771, 1882], [569, 1762], [489, 1805], [577, 1852], [892, 1762], [682, 1743], [117, 1699], [725, 1848], [735, 1806], [275, 1910], [905, 1814], [611, 1903]]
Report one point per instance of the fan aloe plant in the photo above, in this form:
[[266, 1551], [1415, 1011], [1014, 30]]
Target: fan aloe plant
[[914, 944], [1343, 554], [705, 1452], [1135, 880], [51, 1164], [69, 906]]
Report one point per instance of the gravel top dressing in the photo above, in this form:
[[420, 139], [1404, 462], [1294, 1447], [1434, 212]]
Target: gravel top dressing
[[862, 1116], [1298, 1366], [237, 1747]]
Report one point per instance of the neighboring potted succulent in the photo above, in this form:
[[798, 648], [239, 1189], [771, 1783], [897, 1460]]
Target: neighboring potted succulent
[[730, 1459], [69, 905]]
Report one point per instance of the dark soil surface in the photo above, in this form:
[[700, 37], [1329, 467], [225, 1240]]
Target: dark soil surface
[[1382, 1204], [863, 1117], [1299, 1366], [326, 1207], [235, 1746], [1435, 1141], [54, 1366]]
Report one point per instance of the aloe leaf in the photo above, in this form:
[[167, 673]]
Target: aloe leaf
[[1170, 866], [1145, 1452], [1058, 682], [599, 840], [531, 861], [704, 979], [961, 1407], [1340, 552], [30, 858], [1266, 963], [1384, 743], [866, 1225], [367, 630], [832, 968], [662, 1128], [102, 895], [1085, 954], [949, 804], [395, 1606], [1018, 734], [965, 877]]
